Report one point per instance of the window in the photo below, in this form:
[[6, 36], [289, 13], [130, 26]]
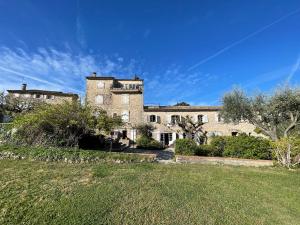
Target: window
[[219, 118], [175, 119], [234, 133], [37, 96], [100, 85], [99, 99], [48, 97], [125, 116], [152, 118], [200, 118], [170, 136], [125, 99]]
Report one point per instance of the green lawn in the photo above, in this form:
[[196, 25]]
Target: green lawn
[[59, 193]]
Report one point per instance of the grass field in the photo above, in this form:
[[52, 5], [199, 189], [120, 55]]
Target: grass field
[[59, 193]]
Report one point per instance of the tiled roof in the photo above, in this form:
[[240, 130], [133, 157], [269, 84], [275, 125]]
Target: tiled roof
[[43, 92], [111, 78], [181, 108]]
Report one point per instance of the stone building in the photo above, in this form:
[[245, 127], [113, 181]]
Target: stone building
[[125, 97], [51, 97]]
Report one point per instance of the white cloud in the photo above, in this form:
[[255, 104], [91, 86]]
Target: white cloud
[[51, 69], [295, 69], [245, 38]]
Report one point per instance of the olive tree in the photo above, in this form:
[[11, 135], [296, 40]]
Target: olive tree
[[276, 116], [17, 105], [193, 128]]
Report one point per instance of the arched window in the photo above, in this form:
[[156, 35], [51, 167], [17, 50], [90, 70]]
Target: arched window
[[152, 118]]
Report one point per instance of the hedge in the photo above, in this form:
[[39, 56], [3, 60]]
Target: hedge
[[243, 146], [68, 155], [144, 142], [185, 147]]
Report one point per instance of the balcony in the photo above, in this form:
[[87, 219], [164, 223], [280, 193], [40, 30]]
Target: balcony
[[126, 89]]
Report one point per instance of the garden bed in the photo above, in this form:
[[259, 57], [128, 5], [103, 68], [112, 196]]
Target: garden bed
[[69, 155]]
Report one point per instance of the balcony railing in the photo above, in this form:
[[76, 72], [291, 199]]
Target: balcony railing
[[126, 88]]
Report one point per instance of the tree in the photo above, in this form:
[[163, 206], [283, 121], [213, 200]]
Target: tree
[[2, 105], [192, 128], [276, 116], [182, 104], [55, 125], [17, 105], [106, 123], [145, 130]]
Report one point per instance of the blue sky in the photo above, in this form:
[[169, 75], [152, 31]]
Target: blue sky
[[186, 50]]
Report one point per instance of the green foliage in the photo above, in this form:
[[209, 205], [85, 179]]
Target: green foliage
[[275, 116], [69, 155], [106, 123], [185, 147], [287, 151], [242, 146], [182, 104], [14, 106], [2, 109], [145, 130], [55, 125], [218, 144], [248, 147], [148, 143], [132, 193], [206, 150]]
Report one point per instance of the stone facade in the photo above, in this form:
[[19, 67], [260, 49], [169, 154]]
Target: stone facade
[[50, 97], [124, 97], [161, 118]]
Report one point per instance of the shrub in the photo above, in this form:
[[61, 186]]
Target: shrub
[[287, 151], [144, 142], [218, 144], [68, 155], [185, 147], [207, 150], [249, 147]]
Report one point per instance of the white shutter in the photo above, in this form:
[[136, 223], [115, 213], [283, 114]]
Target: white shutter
[[169, 118], [100, 85], [205, 119], [158, 119], [147, 118], [99, 99], [125, 99], [217, 117], [125, 116]]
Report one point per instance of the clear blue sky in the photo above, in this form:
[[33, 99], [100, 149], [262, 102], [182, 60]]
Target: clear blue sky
[[191, 51]]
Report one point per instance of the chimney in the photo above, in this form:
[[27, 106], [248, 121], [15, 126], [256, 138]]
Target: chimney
[[94, 74], [24, 86]]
